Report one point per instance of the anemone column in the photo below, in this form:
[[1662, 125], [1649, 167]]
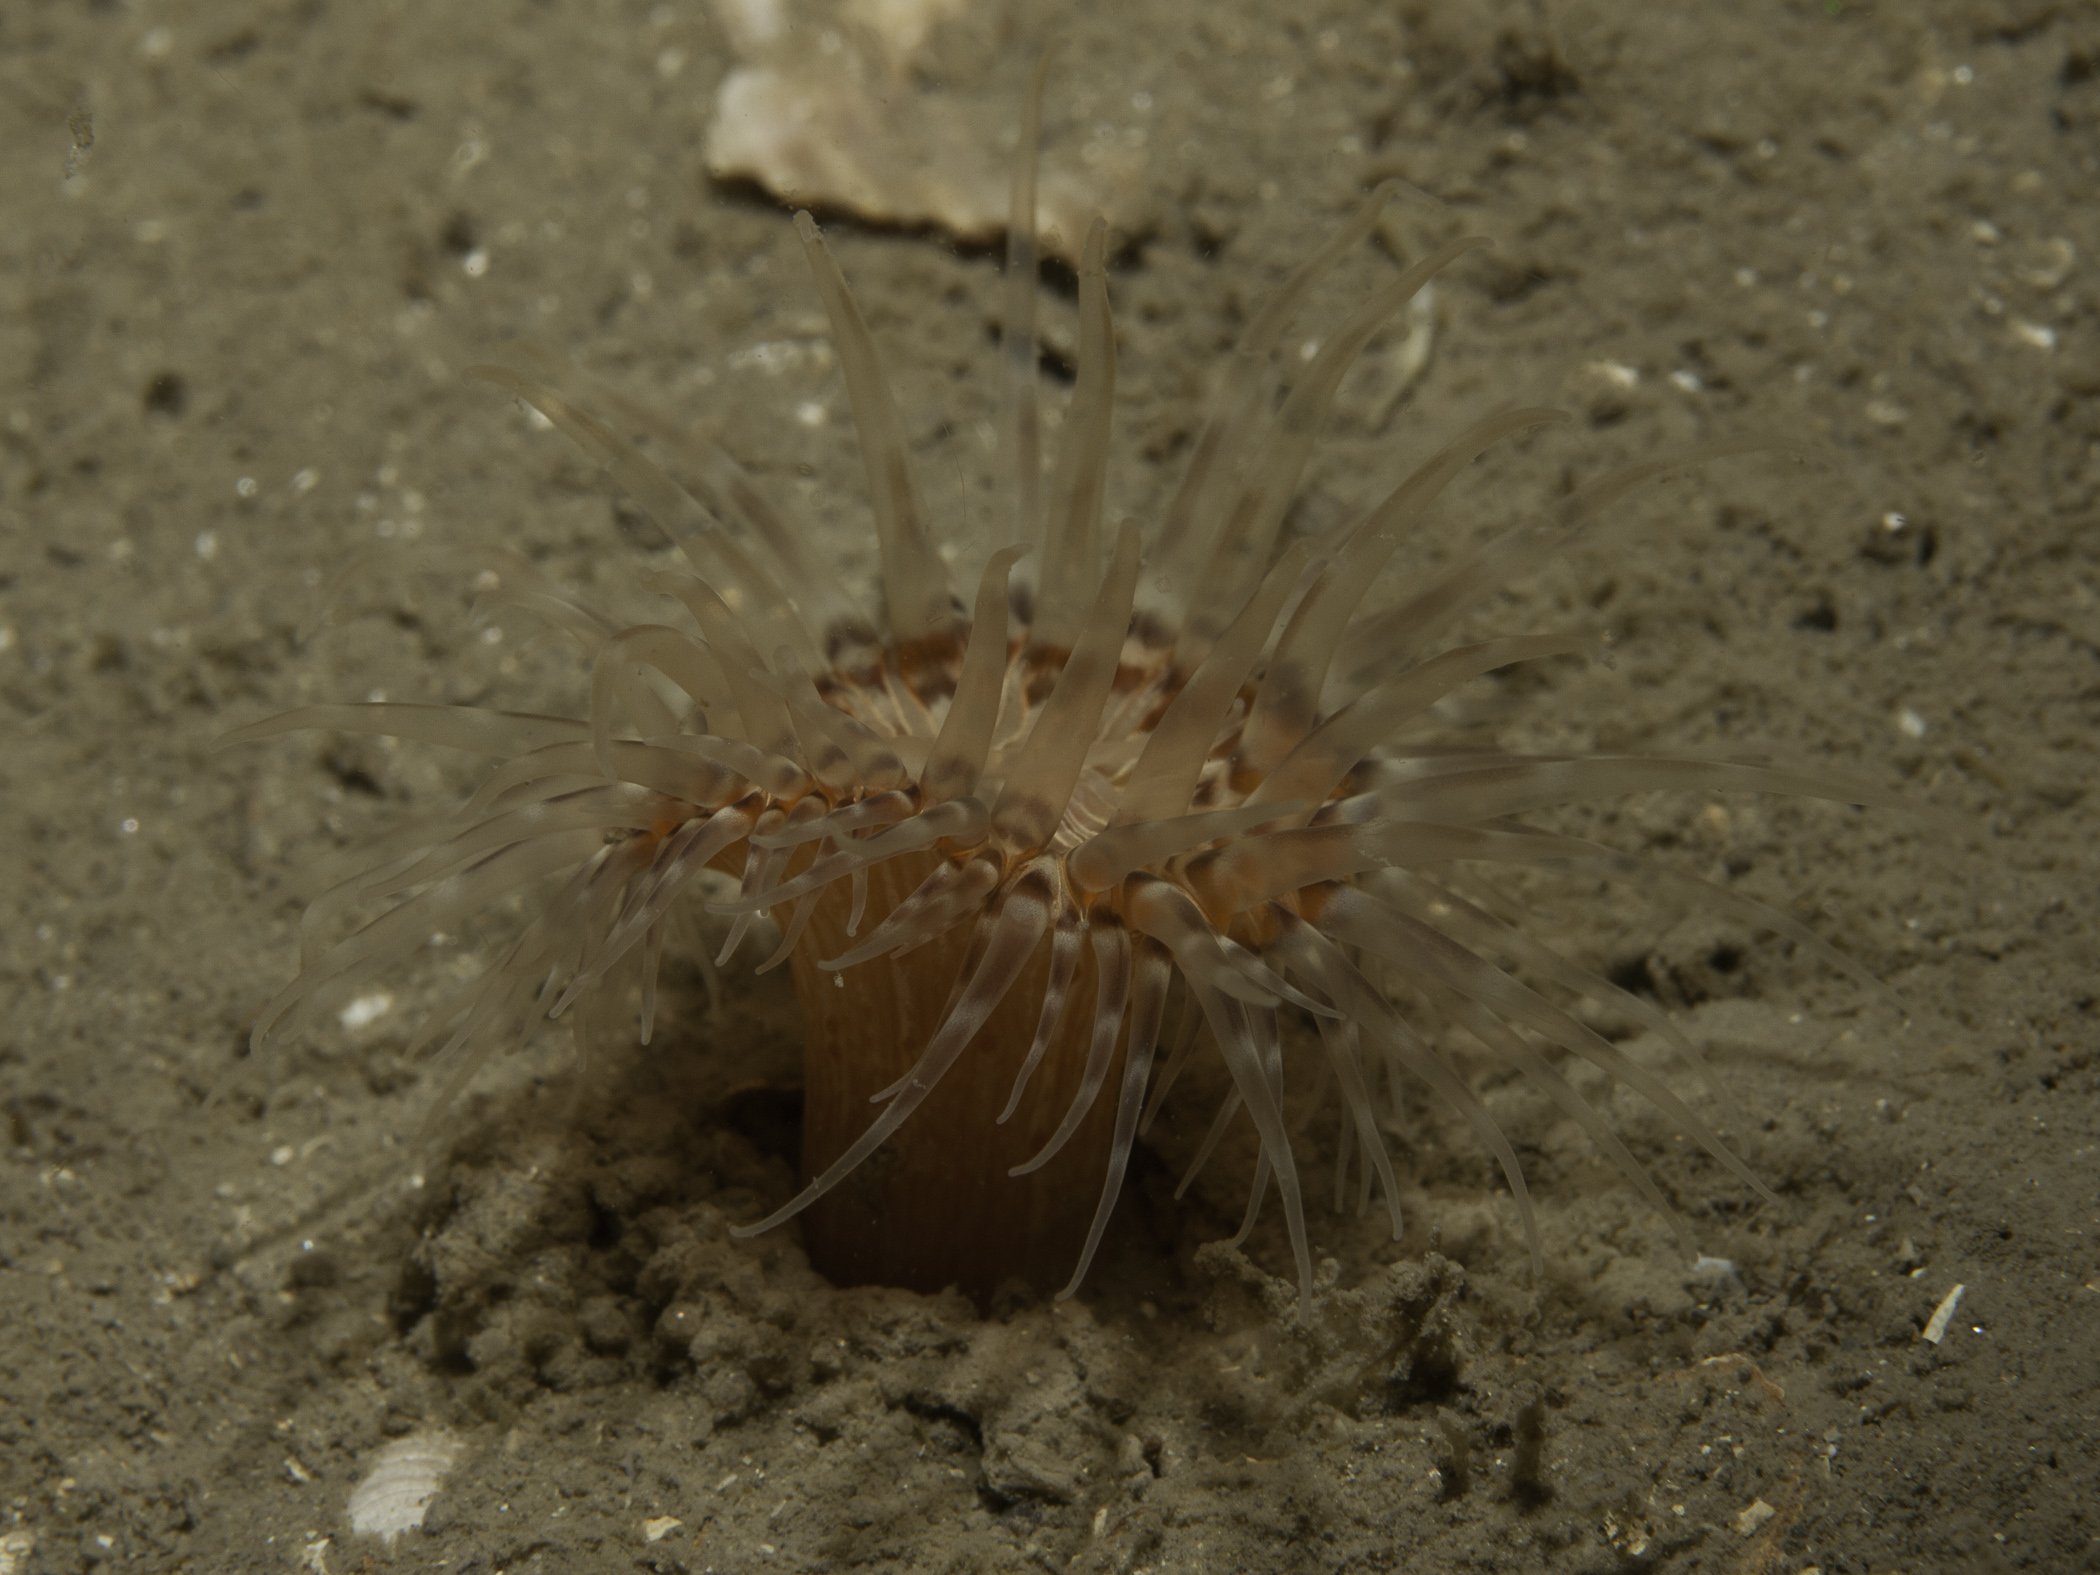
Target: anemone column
[[935, 1206]]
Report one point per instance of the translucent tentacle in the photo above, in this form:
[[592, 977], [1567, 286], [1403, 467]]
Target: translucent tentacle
[[1324, 756], [1233, 407], [921, 604], [1424, 950], [502, 733], [772, 774], [1517, 784], [1322, 962], [1228, 1021], [613, 676], [946, 897], [1165, 777], [666, 765], [961, 821], [761, 866], [1111, 994], [1435, 902], [1020, 450], [1184, 1040], [1071, 562], [665, 502], [965, 741], [875, 766], [1288, 702], [1234, 558], [763, 714], [684, 854], [1105, 860], [1212, 1137], [613, 807], [1340, 1042], [714, 479], [652, 955], [1262, 1025], [1040, 784], [1376, 644], [1167, 914], [885, 809], [1065, 942], [403, 928], [790, 935], [1152, 973]]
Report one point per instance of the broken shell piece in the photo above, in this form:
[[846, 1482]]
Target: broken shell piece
[[403, 1481], [849, 125]]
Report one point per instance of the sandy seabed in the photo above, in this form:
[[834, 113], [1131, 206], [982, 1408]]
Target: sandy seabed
[[246, 251]]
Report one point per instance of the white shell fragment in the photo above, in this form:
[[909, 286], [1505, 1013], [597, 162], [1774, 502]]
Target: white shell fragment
[[827, 109], [15, 1548], [1936, 1326], [1749, 1521], [403, 1481]]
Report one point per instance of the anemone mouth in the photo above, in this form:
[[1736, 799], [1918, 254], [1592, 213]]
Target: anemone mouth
[[1207, 781]]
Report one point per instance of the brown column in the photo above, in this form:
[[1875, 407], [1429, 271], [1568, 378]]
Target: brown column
[[934, 1206]]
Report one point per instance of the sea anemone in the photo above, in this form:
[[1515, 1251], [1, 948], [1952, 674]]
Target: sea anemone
[[1134, 757]]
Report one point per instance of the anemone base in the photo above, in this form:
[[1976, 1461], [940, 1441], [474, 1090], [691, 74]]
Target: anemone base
[[935, 1207]]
